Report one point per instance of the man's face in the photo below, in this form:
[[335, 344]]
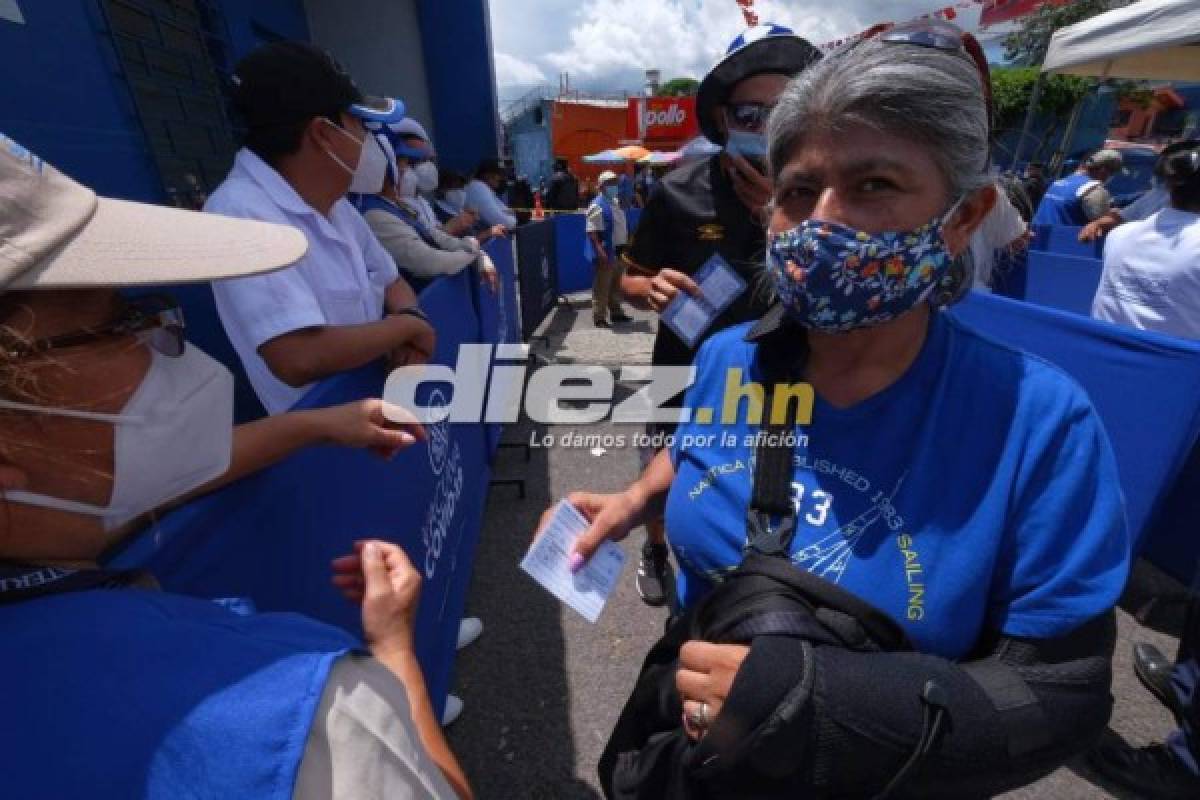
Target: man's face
[[345, 143]]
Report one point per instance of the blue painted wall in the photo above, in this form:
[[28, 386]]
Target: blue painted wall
[[253, 23], [63, 97], [462, 86]]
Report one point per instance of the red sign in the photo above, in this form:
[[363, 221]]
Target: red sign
[[656, 119], [997, 11]]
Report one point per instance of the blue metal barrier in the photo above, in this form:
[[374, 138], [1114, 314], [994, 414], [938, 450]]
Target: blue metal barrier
[[498, 319], [270, 537], [574, 271], [537, 279], [1064, 240], [1146, 388], [1064, 282]]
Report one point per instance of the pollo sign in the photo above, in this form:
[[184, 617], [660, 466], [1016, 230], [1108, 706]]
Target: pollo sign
[[654, 119]]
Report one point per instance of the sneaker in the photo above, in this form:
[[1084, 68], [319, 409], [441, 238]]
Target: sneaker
[[468, 631], [654, 574], [452, 711], [1150, 772]]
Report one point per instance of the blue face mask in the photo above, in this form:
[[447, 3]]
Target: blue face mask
[[752, 146], [610, 192], [834, 278]]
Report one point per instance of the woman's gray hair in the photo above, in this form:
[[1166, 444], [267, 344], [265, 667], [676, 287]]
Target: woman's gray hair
[[929, 96]]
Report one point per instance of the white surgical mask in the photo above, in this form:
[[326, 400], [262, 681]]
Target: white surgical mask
[[174, 435], [367, 176], [408, 183], [427, 176], [456, 198]]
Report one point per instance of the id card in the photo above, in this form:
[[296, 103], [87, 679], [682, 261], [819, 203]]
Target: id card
[[548, 563], [690, 316]]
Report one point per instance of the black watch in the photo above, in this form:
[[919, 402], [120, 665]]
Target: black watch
[[410, 311]]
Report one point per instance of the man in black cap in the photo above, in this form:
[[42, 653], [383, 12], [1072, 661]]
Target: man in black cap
[[707, 207], [562, 193], [343, 304]]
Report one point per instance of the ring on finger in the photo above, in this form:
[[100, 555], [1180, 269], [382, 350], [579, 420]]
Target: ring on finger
[[697, 718]]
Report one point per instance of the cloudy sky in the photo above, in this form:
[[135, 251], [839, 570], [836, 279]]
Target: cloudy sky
[[606, 44]]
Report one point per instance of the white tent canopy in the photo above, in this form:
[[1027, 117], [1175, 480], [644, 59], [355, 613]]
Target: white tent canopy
[[1149, 40]]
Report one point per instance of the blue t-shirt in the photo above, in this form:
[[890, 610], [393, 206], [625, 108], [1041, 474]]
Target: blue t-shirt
[[979, 491]]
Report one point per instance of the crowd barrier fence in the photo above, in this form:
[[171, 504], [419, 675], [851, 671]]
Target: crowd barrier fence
[[1152, 429], [270, 537], [536, 273]]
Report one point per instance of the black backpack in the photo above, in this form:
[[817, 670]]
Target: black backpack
[[649, 755]]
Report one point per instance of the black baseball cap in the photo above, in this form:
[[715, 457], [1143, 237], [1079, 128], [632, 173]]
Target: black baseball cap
[[283, 82]]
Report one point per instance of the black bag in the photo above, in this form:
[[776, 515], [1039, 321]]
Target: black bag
[[649, 755]]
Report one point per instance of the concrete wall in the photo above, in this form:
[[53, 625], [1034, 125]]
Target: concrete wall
[[393, 64]]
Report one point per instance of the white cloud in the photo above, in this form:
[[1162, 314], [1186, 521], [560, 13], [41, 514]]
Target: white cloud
[[608, 43], [513, 71]]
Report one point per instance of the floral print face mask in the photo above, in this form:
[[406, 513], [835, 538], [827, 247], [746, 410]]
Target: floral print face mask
[[833, 278]]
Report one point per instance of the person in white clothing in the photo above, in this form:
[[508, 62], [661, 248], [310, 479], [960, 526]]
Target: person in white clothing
[[483, 196], [344, 304], [420, 248], [1151, 277]]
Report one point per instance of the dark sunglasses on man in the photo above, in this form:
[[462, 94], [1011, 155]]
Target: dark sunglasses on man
[[155, 319]]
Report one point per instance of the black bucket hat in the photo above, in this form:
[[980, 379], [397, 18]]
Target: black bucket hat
[[761, 49]]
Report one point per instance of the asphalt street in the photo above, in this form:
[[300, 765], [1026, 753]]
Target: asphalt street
[[543, 687]]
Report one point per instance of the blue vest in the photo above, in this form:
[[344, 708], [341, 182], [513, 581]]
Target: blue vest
[[129, 693], [1060, 205], [606, 235], [373, 202]]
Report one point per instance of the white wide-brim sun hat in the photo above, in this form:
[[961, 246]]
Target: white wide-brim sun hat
[[58, 234]]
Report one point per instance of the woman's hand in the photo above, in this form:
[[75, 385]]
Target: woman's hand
[[488, 274], [612, 517], [363, 424], [704, 679], [380, 577], [667, 283]]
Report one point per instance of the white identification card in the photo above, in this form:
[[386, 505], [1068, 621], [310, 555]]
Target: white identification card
[[689, 316], [548, 563]]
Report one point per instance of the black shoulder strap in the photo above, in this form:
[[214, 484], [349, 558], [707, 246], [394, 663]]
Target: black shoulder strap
[[782, 354]]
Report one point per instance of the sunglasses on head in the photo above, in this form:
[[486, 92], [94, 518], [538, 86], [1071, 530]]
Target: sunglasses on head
[[751, 117], [938, 35], [154, 319]]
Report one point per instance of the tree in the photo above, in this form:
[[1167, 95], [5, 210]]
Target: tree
[[679, 87], [1012, 87], [1027, 45]]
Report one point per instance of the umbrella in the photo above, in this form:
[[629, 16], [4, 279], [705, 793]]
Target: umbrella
[[605, 157], [633, 152], [699, 147], [660, 157]]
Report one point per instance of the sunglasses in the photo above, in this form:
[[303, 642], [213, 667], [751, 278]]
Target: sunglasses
[[156, 320], [751, 117]]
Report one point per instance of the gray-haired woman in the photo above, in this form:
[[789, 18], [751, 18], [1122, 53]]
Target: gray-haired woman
[[965, 489]]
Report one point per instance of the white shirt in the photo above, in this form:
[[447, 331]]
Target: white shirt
[[481, 198], [1151, 277], [1150, 202], [595, 222], [363, 741], [340, 281]]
